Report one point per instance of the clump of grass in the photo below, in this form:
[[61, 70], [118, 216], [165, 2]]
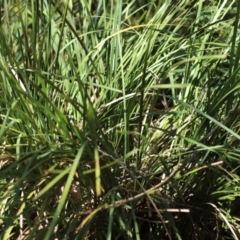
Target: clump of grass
[[119, 120]]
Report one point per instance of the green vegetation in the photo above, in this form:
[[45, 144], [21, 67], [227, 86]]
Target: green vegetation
[[119, 119]]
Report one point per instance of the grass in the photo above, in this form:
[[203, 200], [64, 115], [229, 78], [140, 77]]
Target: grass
[[119, 120]]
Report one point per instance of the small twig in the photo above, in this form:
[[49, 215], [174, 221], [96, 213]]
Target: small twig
[[224, 219], [175, 210]]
